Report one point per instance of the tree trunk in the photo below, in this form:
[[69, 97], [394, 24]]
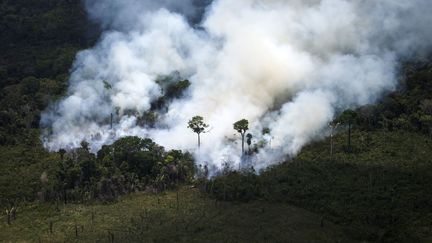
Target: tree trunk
[[199, 141], [111, 120], [243, 136]]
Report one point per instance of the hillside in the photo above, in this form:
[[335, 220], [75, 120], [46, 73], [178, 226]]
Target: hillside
[[375, 188], [185, 216], [379, 193]]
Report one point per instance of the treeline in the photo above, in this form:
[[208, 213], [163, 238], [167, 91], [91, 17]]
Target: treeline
[[409, 108], [131, 164], [372, 173], [40, 37], [39, 40]]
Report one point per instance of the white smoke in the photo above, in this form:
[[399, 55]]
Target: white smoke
[[290, 65]]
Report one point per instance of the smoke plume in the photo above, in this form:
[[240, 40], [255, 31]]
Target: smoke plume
[[289, 65]]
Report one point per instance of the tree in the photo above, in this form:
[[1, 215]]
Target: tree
[[241, 127], [198, 126], [249, 141], [348, 117], [136, 155], [85, 145], [333, 126]]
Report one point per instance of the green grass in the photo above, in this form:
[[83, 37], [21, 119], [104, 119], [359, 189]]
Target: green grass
[[145, 218], [380, 192]]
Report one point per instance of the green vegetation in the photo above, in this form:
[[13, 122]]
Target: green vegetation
[[173, 87], [381, 189], [198, 126], [130, 164], [372, 176], [182, 216], [39, 41], [348, 117], [21, 169], [369, 181], [241, 127]]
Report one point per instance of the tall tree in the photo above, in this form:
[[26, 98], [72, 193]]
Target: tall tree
[[198, 126], [241, 127], [348, 117]]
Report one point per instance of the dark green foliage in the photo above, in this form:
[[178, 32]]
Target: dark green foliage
[[241, 127], [39, 40], [21, 171], [382, 189], [198, 126], [128, 165], [406, 109], [348, 117], [235, 186], [30, 86], [171, 89], [135, 155], [148, 119], [177, 89]]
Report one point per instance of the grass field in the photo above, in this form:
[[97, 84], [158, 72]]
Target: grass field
[[151, 218]]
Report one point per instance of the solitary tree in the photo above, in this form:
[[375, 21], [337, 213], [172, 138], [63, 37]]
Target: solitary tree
[[198, 126], [241, 127], [348, 117]]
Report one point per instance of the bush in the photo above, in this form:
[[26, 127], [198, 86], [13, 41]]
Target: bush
[[235, 186]]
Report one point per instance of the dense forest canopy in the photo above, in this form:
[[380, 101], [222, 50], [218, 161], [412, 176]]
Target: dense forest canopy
[[39, 42]]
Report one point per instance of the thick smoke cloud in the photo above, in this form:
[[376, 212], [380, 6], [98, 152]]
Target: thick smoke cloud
[[290, 65]]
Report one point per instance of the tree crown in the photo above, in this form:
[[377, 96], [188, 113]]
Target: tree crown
[[197, 124], [348, 116], [241, 126]]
